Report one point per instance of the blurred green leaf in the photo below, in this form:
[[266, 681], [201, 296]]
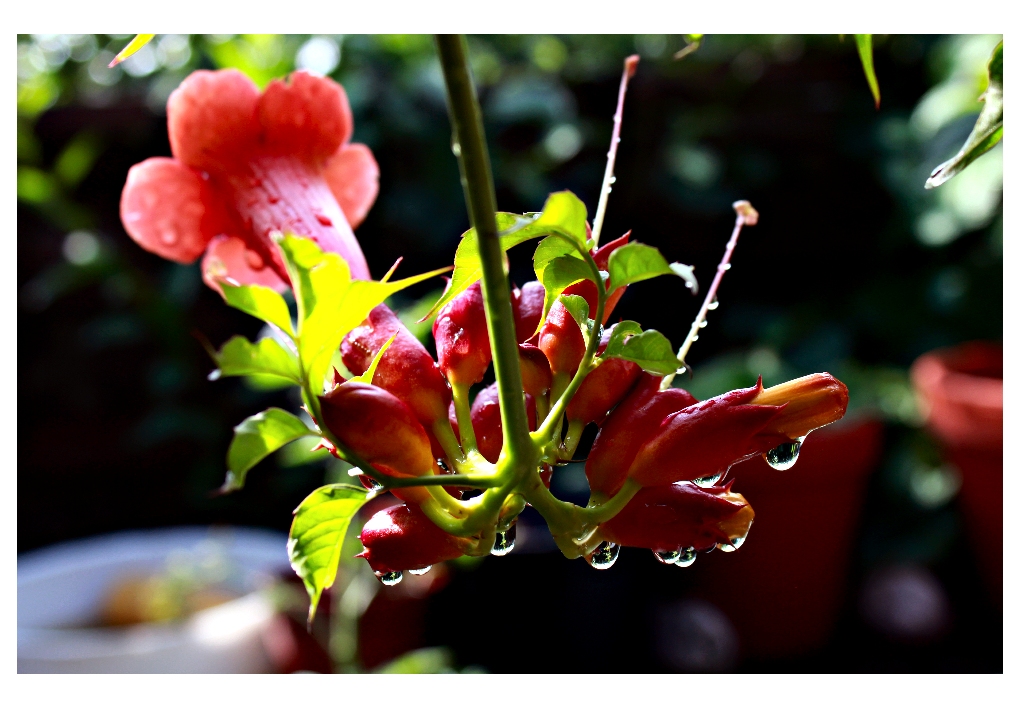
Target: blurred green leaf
[[432, 660], [259, 301], [868, 62], [637, 261], [35, 186], [649, 349], [317, 534], [239, 357], [77, 158], [257, 436], [987, 131]]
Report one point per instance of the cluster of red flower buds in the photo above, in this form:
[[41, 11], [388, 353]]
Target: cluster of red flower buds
[[673, 449]]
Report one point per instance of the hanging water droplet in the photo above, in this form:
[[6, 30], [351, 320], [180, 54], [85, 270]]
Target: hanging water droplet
[[726, 266], [703, 324], [726, 547], [612, 180], [695, 338], [667, 557], [505, 541], [369, 483], [456, 149], [604, 556], [714, 305], [608, 190], [389, 579], [784, 456], [420, 571], [682, 370], [708, 480], [686, 557]]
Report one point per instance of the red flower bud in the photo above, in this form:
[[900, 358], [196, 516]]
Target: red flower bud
[[528, 309], [406, 369], [603, 388], [487, 423], [380, 428], [675, 516], [535, 372], [628, 428], [403, 538], [601, 257], [705, 439], [462, 337]]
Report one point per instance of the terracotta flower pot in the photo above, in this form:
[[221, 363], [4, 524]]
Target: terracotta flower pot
[[960, 390], [785, 586]]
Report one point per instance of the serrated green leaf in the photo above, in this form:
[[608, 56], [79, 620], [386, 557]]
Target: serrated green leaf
[[317, 535], [987, 131], [577, 306], [563, 214], [638, 261], [259, 301], [868, 62], [330, 303], [258, 436], [649, 349], [239, 357]]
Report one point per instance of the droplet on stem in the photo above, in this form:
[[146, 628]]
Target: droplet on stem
[[505, 541], [604, 556]]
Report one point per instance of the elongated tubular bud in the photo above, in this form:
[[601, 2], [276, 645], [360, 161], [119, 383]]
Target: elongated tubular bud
[[603, 388], [380, 428], [402, 538], [561, 341], [406, 369], [601, 257], [808, 403], [674, 516], [462, 338], [487, 423], [528, 310], [633, 422], [706, 438], [536, 375]]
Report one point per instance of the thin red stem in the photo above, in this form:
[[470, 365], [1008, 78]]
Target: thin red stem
[[629, 67]]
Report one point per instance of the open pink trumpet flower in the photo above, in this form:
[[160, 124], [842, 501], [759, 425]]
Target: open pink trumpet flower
[[247, 164]]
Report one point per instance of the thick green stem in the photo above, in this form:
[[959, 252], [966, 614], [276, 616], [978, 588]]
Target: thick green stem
[[462, 406], [480, 195]]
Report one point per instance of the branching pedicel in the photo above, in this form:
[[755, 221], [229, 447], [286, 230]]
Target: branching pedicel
[[251, 170]]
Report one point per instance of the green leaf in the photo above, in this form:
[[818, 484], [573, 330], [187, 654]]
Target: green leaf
[[868, 62], [330, 303], [563, 214], [637, 261], [317, 535], [258, 436], [432, 660], [987, 131], [239, 357], [650, 349], [577, 306], [259, 301], [370, 371], [559, 274]]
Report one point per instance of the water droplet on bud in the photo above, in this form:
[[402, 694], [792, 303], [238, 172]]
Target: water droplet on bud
[[604, 556], [389, 579], [505, 541], [420, 571], [708, 480], [784, 456], [667, 557], [686, 556]]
